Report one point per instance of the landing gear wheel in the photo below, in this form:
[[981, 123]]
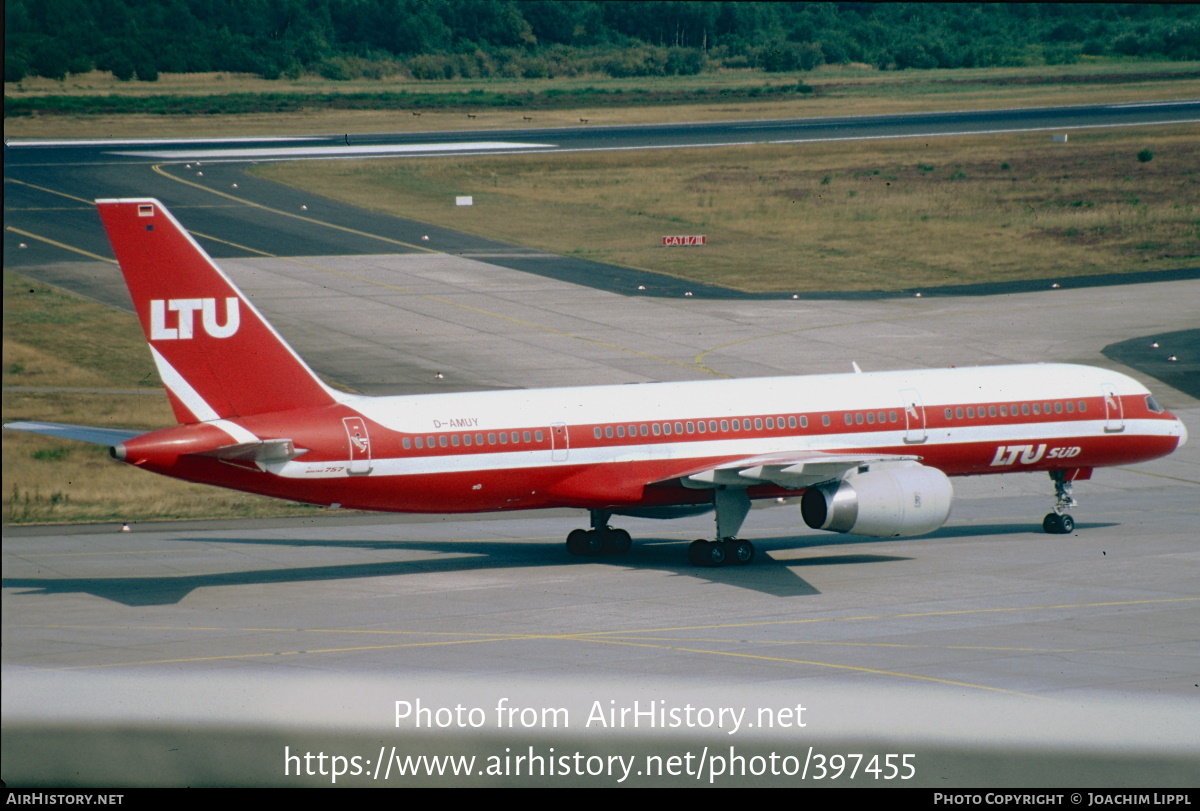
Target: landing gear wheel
[[577, 542], [617, 542], [707, 553], [594, 543], [1058, 524], [738, 552]]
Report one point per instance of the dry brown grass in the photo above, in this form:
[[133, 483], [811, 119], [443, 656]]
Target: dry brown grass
[[820, 216]]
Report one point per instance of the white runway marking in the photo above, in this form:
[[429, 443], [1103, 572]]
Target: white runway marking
[[246, 139], [337, 151]]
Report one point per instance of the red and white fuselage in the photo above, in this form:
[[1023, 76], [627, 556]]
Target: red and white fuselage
[[628, 446]]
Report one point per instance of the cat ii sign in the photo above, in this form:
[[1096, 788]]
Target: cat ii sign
[[682, 240]]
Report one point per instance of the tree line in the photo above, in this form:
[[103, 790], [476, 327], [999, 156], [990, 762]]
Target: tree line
[[447, 39]]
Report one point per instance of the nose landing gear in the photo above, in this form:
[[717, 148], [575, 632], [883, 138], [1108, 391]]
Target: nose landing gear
[[1058, 522]]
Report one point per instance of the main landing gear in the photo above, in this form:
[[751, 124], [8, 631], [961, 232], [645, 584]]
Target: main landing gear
[[727, 552], [732, 505], [601, 539], [1058, 522]]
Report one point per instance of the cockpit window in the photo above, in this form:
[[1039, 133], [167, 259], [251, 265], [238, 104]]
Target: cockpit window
[[1153, 405]]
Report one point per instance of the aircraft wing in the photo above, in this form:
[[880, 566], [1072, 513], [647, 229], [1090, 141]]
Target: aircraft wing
[[83, 433], [793, 470]]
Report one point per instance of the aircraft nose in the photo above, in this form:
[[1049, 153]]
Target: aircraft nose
[[1183, 433]]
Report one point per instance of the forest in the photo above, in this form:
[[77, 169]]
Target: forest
[[450, 39]]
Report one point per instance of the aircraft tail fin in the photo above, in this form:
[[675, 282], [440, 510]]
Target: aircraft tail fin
[[215, 352]]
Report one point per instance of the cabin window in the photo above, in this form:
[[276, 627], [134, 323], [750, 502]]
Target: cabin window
[[407, 443], [757, 423], [621, 431], [666, 429], [770, 423], [825, 420], [608, 431], [1070, 407], [491, 438], [431, 441], [1037, 408], [691, 427], [420, 443], [655, 429], [870, 418], [1025, 409], [527, 437], [1058, 408], [679, 427], [791, 422], [949, 414], [503, 437], [970, 412], [454, 440], [1003, 411], [804, 422], [712, 426], [1083, 405], [467, 440], [597, 433], [442, 441], [701, 427]]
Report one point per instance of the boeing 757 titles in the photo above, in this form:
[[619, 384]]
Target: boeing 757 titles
[[869, 454]]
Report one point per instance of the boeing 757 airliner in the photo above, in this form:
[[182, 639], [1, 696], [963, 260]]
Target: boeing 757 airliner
[[869, 454]]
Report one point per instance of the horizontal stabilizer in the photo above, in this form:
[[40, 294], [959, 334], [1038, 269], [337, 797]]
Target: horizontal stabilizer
[[83, 433]]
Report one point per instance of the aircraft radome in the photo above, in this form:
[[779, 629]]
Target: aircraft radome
[[869, 454]]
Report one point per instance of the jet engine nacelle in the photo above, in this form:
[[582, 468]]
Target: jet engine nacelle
[[883, 501]]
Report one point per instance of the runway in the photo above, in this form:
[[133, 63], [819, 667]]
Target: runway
[[211, 653]]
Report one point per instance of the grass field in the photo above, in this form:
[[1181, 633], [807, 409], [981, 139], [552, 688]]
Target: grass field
[[880, 214]]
